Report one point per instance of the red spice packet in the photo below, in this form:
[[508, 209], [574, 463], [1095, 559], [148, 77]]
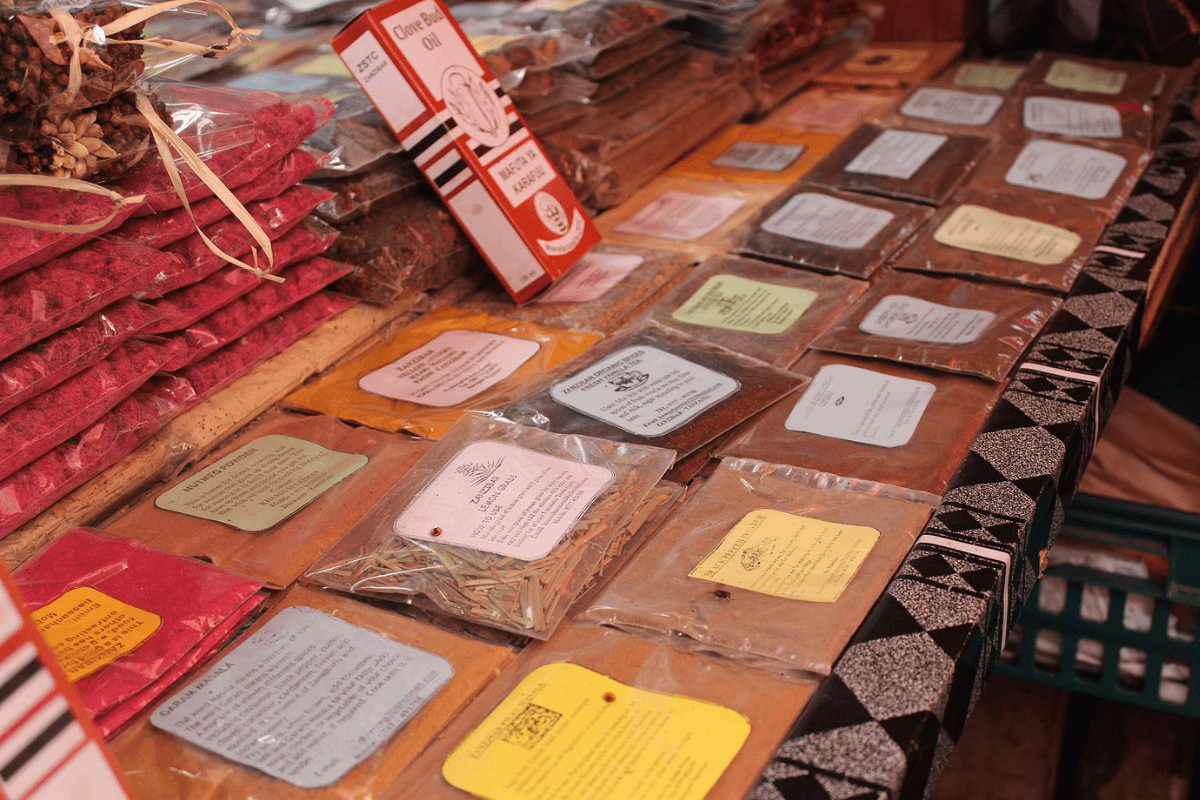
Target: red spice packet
[[188, 597], [58, 357], [37, 425]]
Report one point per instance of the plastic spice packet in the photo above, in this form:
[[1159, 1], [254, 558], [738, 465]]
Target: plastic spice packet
[[944, 322], [1025, 238], [756, 154], [831, 231], [871, 419], [893, 64], [651, 385], [276, 498], [498, 524], [953, 109], [773, 565], [765, 311], [418, 677], [607, 687], [1043, 111], [1097, 79], [446, 363], [832, 109]]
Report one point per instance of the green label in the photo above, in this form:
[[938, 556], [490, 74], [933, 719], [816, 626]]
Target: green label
[[262, 483], [985, 76], [740, 304]]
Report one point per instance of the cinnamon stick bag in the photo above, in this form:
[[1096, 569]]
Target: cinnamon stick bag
[[871, 419], [772, 565], [634, 718], [276, 498], [444, 364], [948, 323], [325, 697]]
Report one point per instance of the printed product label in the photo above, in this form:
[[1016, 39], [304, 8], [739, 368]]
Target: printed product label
[[984, 76], [567, 731], [1071, 117], [859, 405], [451, 369], [503, 499], [1066, 169], [381, 80], [896, 154], [1065, 74], [448, 66], [521, 172], [901, 317], [985, 231], [591, 277], [827, 220], [783, 555], [644, 391], [487, 42], [761, 156], [88, 630], [305, 698], [682, 216], [734, 303], [830, 114], [262, 483], [951, 107], [878, 59]]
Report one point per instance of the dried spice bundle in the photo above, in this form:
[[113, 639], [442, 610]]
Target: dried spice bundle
[[499, 524], [56, 358], [651, 385], [947, 323], [831, 231], [772, 565], [761, 310], [870, 419]]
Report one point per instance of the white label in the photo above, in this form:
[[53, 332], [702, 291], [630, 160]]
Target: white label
[[859, 405], [827, 220], [451, 369], [644, 391], [761, 156], [682, 216], [901, 317], [278, 82], [952, 107], [896, 154], [503, 499], [1072, 118], [306, 698], [521, 172], [382, 82], [1066, 169], [591, 277]]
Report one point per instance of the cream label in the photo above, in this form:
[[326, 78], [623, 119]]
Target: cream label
[[761, 156], [951, 107], [985, 231], [734, 303], [899, 316], [860, 405], [682, 216], [826, 220], [1065, 74], [986, 76], [896, 154], [1066, 169]]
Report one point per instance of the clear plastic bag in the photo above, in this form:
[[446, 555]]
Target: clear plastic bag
[[803, 556], [953, 109], [832, 109], [356, 196], [613, 60], [513, 560]]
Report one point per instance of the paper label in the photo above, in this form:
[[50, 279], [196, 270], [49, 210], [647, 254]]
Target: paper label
[[682, 216], [985, 231], [553, 5], [488, 42], [1065, 74], [568, 732], [761, 156], [521, 173], [830, 113], [88, 630], [591, 277], [277, 82], [451, 369], [985, 76], [381, 80], [1071, 117], [879, 59], [827, 220], [503, 499], [899, 316], [859, 405], [262, 483], [783, 555], [644, 391], [896, 154], [734, 303], [951, 107], [305, 698], [1066, 169]]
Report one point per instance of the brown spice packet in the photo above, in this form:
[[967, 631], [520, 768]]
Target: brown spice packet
[[1097, 79]]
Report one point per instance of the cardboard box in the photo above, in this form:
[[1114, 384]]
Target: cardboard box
[[448, 110]]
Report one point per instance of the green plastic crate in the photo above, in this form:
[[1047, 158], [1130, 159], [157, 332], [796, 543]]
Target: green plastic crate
[[1169, 534]]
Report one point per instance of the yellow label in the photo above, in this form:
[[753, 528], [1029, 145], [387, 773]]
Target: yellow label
[[735, 303], [489, 42], [783, 555], [877, 59], [985, 231], [325, 64], [1084, 78], [87, 629], [987, 76], [554, 5], [568, 732]]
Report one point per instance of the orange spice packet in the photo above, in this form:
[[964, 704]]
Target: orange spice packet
[[756, 154]]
